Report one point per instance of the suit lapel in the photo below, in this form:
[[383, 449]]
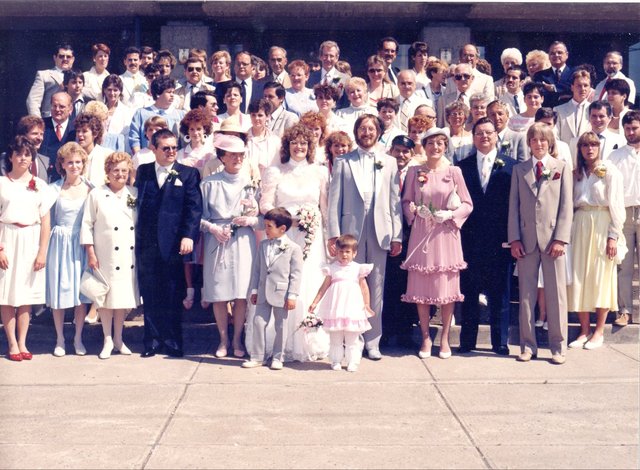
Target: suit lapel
[[529, 177], [356, 171], [377, 174]]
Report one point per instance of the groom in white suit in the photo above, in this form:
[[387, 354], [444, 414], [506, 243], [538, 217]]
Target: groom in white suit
[[364, 201]]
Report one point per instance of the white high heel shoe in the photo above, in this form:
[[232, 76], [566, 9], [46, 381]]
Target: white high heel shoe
[[106, 349]]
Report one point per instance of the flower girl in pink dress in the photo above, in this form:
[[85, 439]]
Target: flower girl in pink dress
[[345, 308]]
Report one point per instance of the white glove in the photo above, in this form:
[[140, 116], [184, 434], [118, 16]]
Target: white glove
[[222, 233], [442, 216], [423, 211], [245, 221]]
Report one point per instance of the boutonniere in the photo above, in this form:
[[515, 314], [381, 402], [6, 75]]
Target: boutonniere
[[556, 176], [131, 201], [173, 175], [499, 163], [546, 173], [600, 171], [422, 177], [32, 186], [378, 164], [282, 248]]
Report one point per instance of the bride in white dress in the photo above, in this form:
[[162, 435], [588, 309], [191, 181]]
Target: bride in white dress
[[300, 186]]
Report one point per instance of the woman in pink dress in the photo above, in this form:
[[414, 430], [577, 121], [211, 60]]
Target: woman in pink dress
[[435, 203]]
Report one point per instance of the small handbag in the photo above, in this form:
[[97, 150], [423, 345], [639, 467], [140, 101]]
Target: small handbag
[[94, 286]]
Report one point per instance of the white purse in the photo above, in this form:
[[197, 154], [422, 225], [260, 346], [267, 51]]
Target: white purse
[[453, 201], [94, 286]]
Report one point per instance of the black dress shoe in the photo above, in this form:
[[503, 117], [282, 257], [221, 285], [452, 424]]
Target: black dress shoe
[[465, 349], [502, 350], [148, 352], [174, 352]]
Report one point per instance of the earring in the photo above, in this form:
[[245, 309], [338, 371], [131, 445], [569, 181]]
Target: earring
[[187, 139]]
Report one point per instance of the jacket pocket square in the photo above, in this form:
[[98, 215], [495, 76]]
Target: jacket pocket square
[[177, 183], [282, 285], [556, 176]]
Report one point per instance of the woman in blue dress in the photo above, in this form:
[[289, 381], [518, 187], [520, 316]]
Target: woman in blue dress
[[66, 260], [229, 214]]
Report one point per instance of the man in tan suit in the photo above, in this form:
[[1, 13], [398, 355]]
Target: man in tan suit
[[48, 82], [540, 216]]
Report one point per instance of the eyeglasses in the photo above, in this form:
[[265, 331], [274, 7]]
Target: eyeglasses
[[194, 69], [429, 117], [168, 149], [462, 76], [376, 70], [483, 133], [65, 56], [243, 64]]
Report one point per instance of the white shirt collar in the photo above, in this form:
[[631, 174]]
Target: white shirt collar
[[159, 167]]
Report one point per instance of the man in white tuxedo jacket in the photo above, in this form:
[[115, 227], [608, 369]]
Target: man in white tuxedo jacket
[[573, 117], [364, 201], [48, 82]]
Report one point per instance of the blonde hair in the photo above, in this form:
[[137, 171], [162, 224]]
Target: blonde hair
[[98, 109], [68, 150], [543, 131], [116, 158]]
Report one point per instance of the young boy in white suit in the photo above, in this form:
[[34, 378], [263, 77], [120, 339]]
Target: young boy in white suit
[[275, 286]]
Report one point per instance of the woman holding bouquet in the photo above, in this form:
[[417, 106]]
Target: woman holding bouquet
[[229, 214], [435, 203], [300, 186]]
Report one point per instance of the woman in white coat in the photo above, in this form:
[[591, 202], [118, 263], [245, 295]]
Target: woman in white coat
[[108, 235]]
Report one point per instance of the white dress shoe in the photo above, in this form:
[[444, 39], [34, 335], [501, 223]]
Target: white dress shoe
[[444, 355], [124, 350], [59, 351], [79, 347], [336, 366], [352, 367], [579, 342], [424, 354], [374, 354], [106, 349], [594, 344], [251, 364], [276, 365]]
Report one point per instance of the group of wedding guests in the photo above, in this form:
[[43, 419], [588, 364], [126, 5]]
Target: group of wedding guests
[[303, 227]]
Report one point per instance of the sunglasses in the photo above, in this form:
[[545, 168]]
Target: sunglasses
[[194, 69], [169, 149], [462, 76], [65, 56]]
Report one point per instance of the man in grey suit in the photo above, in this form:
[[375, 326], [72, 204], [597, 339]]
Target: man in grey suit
[[364, 201], [509, 143], [540, 216], [275, 286], [281, 119], [47, 82]]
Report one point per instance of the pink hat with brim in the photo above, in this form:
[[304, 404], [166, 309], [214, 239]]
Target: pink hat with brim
[[228, 143]]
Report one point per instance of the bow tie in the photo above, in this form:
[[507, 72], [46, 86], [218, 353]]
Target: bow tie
[[367, 154], [275, 242]]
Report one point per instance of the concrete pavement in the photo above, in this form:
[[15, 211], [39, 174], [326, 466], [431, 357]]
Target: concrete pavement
[[472, 411]]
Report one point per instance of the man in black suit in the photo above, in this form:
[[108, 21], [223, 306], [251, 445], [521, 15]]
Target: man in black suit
[[487, 175], [58, 130], [251, 89], [557, 78], [388, 50], [32, 127], [169, 211]]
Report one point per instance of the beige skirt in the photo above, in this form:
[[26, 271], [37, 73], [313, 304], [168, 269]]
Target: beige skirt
[[595, 281]]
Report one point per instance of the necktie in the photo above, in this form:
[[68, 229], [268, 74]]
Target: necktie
[[603, 141], [516, 104], [59, 131], [461, 97], [579, 114], [538, 170], [244, 97], [604, 91], [558, 75], [77, 107], [486, 171]]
